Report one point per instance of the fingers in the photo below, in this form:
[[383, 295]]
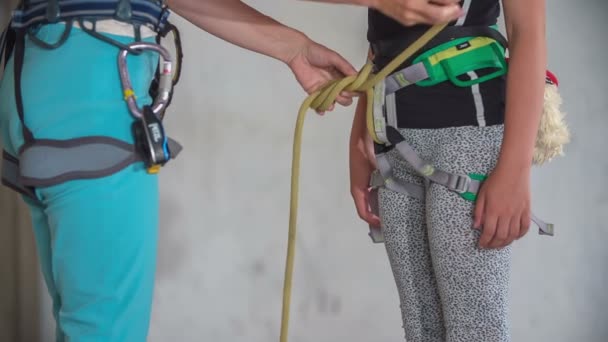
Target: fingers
[[490, 224], [502, 233], [509, 229], [345, 101], [341, 64], [361, 198], [526, 221], [479, 210], [415, 12], [435, 14]]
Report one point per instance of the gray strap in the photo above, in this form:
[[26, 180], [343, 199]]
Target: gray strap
[[10, 176], [454, 182], [50, 162], [544, 228], [378, 111], [386, 172], [391, 110], [406, 77]]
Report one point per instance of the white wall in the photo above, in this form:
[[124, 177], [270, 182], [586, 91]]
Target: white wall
[[225, 200]]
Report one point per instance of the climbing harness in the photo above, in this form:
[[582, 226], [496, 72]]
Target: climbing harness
[[47, 162], [447, 54]]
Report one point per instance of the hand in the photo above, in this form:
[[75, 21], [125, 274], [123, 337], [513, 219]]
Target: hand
[[360, 174], [361, 168], [503, 208], [413, 12], [315, 65]]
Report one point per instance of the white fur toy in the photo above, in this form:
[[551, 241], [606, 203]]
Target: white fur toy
[[553, 131]]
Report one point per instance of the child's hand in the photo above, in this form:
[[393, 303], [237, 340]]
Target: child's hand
[[502, 209], [361, 167]]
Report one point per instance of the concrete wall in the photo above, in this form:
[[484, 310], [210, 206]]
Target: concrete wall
[[225, 201]]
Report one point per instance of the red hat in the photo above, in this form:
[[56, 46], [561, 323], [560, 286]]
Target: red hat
[[551, 78]]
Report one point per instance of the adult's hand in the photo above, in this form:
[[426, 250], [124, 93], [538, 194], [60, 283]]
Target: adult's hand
[[413, 12]]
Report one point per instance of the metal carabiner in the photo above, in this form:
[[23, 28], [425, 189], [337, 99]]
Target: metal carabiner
[[165, 85]]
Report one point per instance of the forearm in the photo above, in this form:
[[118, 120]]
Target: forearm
[[240, 24], [525, 83], [360, 140]]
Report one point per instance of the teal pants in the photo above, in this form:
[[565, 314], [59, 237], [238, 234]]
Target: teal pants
[[96, 239]]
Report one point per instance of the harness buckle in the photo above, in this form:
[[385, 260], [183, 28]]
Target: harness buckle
[[464, 187], [462, 184], [124, 11]]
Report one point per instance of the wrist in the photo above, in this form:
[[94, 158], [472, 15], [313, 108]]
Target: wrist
[[293, 45], [514, 165]]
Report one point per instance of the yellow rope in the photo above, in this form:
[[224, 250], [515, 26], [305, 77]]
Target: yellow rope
[[321, 100]]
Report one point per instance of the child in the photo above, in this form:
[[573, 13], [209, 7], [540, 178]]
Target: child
[[451, 257]]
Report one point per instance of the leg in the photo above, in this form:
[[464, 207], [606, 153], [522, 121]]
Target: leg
[[407, 247], [473, 283], [43, 239], [104, 245], [10, 123], [103, 232]]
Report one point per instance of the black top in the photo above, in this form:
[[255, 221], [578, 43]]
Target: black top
[[444, 105], [480, 12]]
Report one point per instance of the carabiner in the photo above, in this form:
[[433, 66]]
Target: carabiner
[[165, 85]]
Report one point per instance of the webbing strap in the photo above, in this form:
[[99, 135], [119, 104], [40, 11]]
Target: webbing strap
[[10, 175], [385, 178], [18, 69], [378, 112], [454, 182], [49, 162], [143, 12], [3, 44], [406, 77]]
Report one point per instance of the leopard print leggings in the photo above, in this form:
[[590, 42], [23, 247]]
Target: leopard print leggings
[[450, 290]]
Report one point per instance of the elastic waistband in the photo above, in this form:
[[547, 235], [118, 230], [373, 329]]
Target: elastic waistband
[[119, 28]]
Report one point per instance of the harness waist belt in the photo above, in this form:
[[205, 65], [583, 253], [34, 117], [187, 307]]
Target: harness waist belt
[[142, 12], [388, 48], [10, 176], [51, 162]]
